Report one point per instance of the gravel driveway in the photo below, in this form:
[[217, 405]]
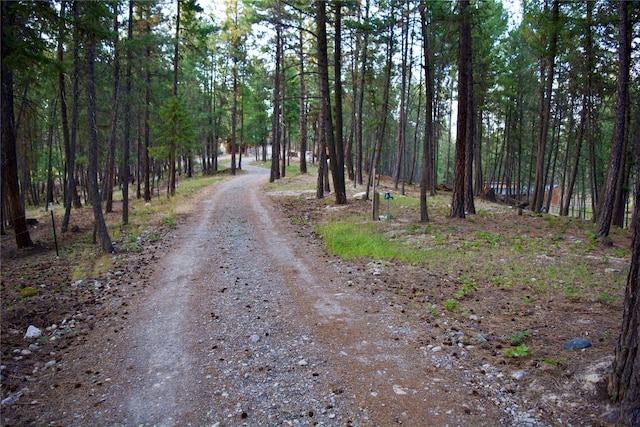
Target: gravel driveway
[[241, 322]]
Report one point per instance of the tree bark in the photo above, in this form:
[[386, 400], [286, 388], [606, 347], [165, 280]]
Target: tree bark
[[400, 148], [75, 112], [9, 163], [303, 108], [462, 157], [275, 124], [624, 381], [337, 166], [127, 121], [615, 157], [109, 182], [547, 73], [428, 115], [100, 225], [172, 144], [384, 109], [576, 159], [147, 112], [68, 170], [339, 183], [361, 85]]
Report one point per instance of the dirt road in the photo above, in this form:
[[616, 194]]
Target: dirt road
[[242, 322]]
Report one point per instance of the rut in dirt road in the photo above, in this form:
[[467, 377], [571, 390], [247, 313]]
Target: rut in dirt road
[[243, 323]]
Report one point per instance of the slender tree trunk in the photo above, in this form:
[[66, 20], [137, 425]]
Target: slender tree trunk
[[73, 188], [127, 121], [624, 381], [337, 168], [68, 177], [109, 182], [464, 115], [363, 72], [402, 110], [478, 177], [547, 73], [428, 115], [303, 108], [622, 184], [50, 184], [275, 124], [172, 144], [100, 225], [283, 115], [576, 159], [234, 115], [139, 154], [322, 155], [384, 109], [335, 163], [9, 159], [355, 60], [147, 111], [615, 157]]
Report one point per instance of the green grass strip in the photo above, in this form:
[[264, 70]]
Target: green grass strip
[[363, 240]]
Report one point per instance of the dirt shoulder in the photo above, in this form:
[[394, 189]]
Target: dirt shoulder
[[238, 316]]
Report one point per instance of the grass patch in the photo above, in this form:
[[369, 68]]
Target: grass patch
[[520, 351], [350, 240]]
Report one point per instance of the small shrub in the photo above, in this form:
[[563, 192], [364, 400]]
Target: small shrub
[[520, 351], [169, 221], [606, 297], [451, 304], [432, 309], [519, 336], [492, 239]]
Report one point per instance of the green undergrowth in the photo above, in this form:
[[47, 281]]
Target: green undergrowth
[[351, 239], [527, 259]]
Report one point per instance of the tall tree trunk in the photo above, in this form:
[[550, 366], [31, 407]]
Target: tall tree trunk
[[50, 183], [303, 107], [353, 68], [624, 381], [172, 142], [100, 225], [428, 115], [547, 72], [400, 151], [576, 160], [68, 176], [75, 112], [615, 157], [622, 185], [283, 115], [384, 109], [275, 124], [585, 114], [322, 155], [9, 162], [127, 121], [147, 110], [109, 182], [234, 106], [462, 156], [337, 167], [363, 72], [447, 162], [234, 115]]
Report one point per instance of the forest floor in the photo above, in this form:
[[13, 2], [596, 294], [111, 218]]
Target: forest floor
[[233, 313]]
